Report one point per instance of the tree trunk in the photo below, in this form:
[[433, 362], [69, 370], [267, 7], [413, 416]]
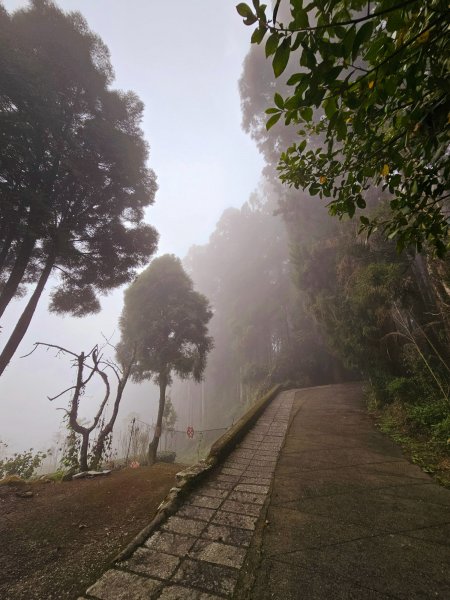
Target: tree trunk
[[6, 248], [100, 444], [23, 323], [15, 277], [84, 451], [153, 446]]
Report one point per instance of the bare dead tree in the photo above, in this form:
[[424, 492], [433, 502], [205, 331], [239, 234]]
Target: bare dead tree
[[88, 366]]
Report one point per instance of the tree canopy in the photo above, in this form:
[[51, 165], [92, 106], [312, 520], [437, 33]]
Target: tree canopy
[[370, 101], [164, 321], [74, 182]]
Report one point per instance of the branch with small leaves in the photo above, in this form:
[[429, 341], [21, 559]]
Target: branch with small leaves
[[371, 96]]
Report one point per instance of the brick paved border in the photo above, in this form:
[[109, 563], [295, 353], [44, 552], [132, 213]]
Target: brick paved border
[[197, 552], [191, 477]]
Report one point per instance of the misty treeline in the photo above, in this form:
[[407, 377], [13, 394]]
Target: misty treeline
[[299, 296], [74, 185], [164, 332]]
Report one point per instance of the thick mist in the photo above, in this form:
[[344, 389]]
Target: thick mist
[[192, 123]]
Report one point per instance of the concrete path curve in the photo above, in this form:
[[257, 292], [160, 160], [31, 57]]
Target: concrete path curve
[[329, 510], [348, 517]]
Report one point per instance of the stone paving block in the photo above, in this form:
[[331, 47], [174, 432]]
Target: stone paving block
[[252, 489], [218, 553], [234, 520], [266, 446], [195, 512], [236, 460], [246, 497], [241, 508], [206, 501], [261, 472], [177, 592], [266, 455], [228, 535], [263, 461], [255, 480], [183, 525], [242, 453], [268, 465], [236, 463], [248, 445], [269, 439], [260, 469], [151, 562], [224, 485], [261, 465], [207, 576], [172, 543], [212, 490], [256, 463], [235, 471], [118, 585], [263, 458], [227, 478]]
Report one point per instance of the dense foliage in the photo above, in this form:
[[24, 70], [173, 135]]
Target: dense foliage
[[21, 464], [381, 318], [385, 315], [73, 177], [369, 88]]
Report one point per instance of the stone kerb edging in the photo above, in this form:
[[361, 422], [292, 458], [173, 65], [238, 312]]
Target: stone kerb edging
[[228, 441], [189, 479]]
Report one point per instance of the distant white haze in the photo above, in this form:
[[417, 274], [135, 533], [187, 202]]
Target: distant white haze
[[183, 58]]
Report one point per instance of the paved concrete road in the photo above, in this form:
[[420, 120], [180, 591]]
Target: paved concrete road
[[348, 517], [198, 553]]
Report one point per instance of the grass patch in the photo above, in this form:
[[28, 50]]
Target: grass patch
[[416, 431]]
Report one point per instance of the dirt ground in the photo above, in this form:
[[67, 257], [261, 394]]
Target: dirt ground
[[54, 544]]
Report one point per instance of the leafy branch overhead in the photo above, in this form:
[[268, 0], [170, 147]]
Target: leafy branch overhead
[[371, 92]]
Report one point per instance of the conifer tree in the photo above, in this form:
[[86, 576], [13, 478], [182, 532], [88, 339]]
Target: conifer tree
[[164, 320]]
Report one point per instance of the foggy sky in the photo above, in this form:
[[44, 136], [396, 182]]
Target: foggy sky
[[183, 59]]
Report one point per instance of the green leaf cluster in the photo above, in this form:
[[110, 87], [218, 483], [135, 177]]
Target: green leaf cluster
[[373, 89], [21, 464], [164, 320]]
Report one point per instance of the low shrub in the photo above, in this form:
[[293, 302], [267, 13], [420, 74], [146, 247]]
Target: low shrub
[[22, 464]]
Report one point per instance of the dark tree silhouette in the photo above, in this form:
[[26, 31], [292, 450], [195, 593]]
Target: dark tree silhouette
[[165, 320], [73, 178]]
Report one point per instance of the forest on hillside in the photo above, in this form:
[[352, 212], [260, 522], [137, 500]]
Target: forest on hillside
[[303, 297], [335, 269], [216, 366]]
